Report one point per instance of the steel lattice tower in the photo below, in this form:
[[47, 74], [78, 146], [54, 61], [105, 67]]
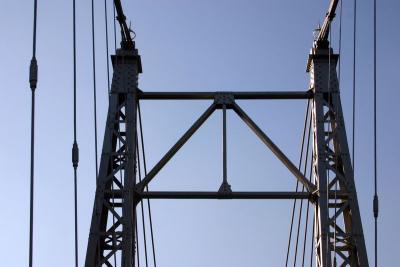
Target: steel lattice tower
[[338, 231], [115, 196], [338, 222]]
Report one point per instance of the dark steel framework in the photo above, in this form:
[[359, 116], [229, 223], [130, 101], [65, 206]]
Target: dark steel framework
[[338, 228]]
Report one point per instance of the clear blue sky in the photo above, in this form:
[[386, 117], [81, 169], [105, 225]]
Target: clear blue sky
[[189, 46]]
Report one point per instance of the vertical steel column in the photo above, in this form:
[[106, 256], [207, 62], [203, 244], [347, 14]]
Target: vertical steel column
[[130, 201], [225, 186], [112, 234], [338, 230]]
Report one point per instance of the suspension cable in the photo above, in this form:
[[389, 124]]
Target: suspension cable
[[302, 190], [108, 93], [297, 186], [137, 242], [301, 201], [312, 243], [107, 48], [94, 93], [354, 82], [312, 177], [147, 188], [376, 201], [340, 42], [75, 150], [33, 78], [308, 202], [115, 28], [141, 206]]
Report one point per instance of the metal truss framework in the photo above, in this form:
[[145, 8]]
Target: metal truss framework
[[339, 235], [113, 220], [338, 230]]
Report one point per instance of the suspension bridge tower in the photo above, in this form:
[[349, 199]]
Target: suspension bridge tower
[[338, 233], [338, 228]]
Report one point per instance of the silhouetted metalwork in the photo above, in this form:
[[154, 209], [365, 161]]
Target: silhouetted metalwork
[[338, 229]]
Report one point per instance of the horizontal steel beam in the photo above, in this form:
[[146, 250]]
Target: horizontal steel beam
[[116, 194], [217, 195], [237, 95]]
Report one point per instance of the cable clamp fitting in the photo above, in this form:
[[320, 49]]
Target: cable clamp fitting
[[75, 155], [33, 74], [376, 206]]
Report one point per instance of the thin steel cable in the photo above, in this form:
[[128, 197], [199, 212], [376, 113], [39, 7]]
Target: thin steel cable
[[376, 204], [32, 179], [76, 216], [109, 92], [142, 207], [94, 92], [147, 187], [115, 29], [314, 178], [354, 84], [340, 42], [305, 233], [308, 202], [313, 228], [298, 229], [302, 190], [75, 151], [137, 244], [33, 85], [108, 81], [34, 28], [107, 48], [312, 243], [297, 185], [74, 61]]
